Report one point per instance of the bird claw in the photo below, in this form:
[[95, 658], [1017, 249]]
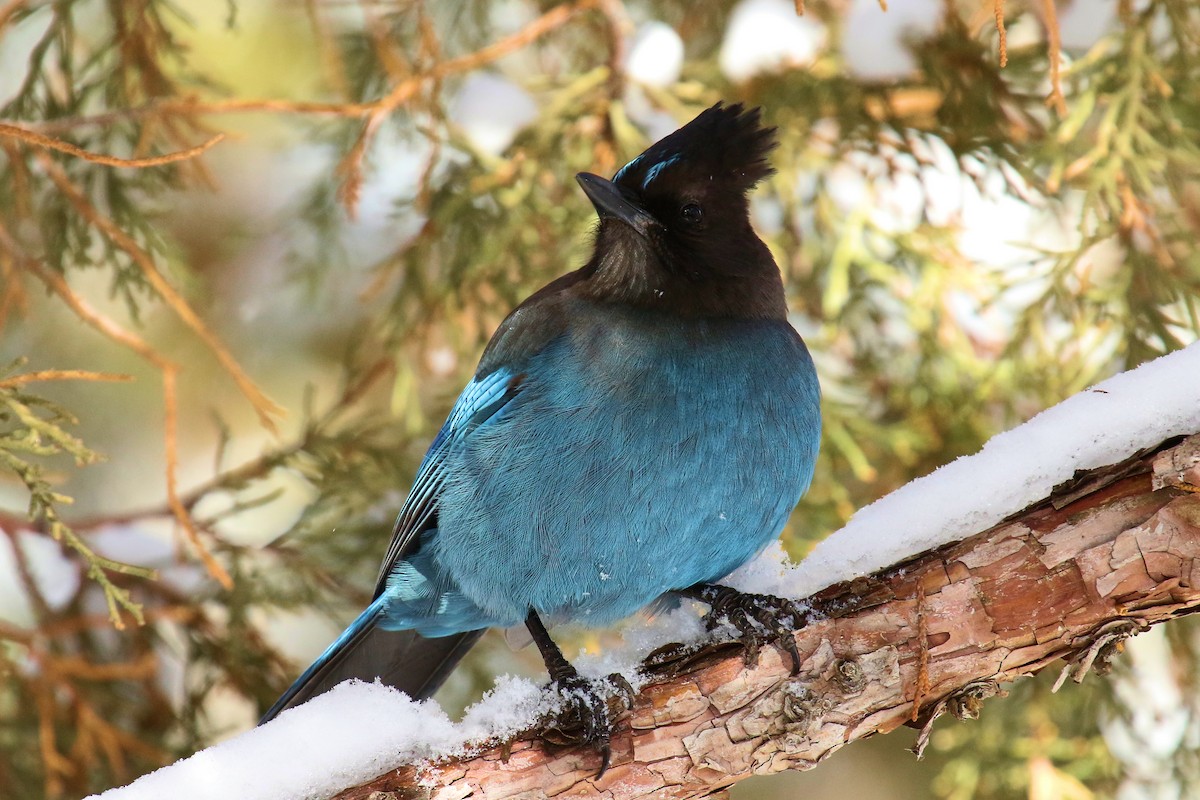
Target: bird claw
[[586, 714], [758, 618], [621, 689]]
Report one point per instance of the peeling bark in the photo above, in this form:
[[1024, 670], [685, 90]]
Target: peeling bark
[[1109, 554]]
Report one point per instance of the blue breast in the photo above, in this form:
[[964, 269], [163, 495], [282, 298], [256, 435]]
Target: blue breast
[[642, 454]]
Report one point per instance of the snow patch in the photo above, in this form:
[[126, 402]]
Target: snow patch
[[876, 45], [56, 576], [359, 730], [491, 110], [767, 35], [656, 55], [344, 737], [1099, 426]]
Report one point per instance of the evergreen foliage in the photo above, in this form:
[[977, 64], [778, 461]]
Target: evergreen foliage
[[923, 352]]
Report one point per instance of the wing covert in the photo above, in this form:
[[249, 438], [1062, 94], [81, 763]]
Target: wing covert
[[479, 402]]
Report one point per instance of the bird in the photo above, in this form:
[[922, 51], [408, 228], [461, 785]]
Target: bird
[[636, 430]]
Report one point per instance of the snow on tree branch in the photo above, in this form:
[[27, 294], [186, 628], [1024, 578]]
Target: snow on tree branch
[[1107, 556], [1090, 518]]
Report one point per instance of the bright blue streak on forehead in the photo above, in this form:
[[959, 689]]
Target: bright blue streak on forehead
[[621, 172], [652, 173]]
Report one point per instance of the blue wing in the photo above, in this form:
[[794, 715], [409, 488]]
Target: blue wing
[[372, 648], [482, 399]]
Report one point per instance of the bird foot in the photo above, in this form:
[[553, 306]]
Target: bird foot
[[758, 619], [587, 712]]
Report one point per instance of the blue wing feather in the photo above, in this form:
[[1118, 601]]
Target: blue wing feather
[[480, 401], [404, 585]]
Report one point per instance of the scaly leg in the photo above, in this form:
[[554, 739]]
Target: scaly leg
[[585, 715]]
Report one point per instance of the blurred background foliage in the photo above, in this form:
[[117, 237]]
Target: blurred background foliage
[[980, 209]]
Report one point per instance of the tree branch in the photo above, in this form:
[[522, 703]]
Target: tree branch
[[50, 143], [1109, 554]]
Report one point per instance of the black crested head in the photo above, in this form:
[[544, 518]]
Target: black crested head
[[724, 144], [675, 228]]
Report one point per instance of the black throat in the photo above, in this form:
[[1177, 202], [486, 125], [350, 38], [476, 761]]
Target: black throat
[[736, 279]]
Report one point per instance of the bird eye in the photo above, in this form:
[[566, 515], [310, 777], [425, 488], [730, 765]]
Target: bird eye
[[692, 213]]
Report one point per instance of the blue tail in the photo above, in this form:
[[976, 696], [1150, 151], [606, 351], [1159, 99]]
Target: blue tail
[[405, 659], [332, 655]]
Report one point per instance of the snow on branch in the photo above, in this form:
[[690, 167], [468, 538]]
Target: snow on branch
[[1106, 556], [1060, 539]]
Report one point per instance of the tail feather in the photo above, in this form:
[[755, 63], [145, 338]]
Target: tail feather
[[415, 664]]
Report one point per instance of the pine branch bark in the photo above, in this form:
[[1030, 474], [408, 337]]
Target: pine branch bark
[[1109, 554]]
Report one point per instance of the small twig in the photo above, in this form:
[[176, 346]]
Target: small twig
[[168, 369], [328, 49], [40, 140], [1056, 98], [350, 169], [19, 190], [12, 296], [405, 90], [922, 688], [800, 8], [234, 476], [963, 704], [111, 738], [266, 408], [393, 60], [425, 183], [177, 508], [25, 575], [1105, 642], [7, 12], [400, 93], [552, 20], [67, 667], [998, 10], [56, 764], [619, 27], [64, 375]]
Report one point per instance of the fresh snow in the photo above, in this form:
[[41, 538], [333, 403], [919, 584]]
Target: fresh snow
[[656, 56], [1099, 426], [359, 730], [56, 576], [344, 737], [491, 110], [768, 36]]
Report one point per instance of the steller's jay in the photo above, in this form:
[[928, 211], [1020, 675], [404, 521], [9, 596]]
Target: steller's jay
[[641, 426]]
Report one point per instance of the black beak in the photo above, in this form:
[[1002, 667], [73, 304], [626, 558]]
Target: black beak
[[609, 202]]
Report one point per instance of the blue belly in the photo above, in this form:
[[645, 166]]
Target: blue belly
[[643, 456]]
